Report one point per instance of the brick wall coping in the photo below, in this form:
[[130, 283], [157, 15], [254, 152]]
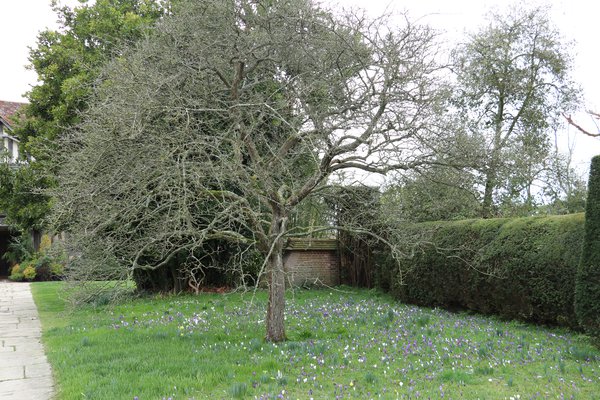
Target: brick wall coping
[[300, 244]]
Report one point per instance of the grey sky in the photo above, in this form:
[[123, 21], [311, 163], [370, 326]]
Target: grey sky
[[576, 20]]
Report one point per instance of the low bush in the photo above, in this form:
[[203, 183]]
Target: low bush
[[520, 268], [43, 263], [23, 272], [46, 264], [29, 273], [221, 265], [16, 269], [16, 277], [57, 270], [17, 272]]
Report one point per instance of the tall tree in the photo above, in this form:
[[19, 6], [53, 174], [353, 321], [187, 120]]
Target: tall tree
[[67, 62], [230, 115], [512, 85]]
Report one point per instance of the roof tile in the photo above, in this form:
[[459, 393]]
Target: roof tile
[[8, 109]]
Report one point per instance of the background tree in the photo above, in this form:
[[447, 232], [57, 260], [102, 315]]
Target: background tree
[[433, 194], [228, 117], [67, 62], [563, 186], [512, 84]]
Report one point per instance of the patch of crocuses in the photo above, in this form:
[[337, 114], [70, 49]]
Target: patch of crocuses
[[364, 345]]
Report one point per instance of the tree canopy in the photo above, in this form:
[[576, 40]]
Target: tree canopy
[[68, 62], [227, 117], [513, 84]]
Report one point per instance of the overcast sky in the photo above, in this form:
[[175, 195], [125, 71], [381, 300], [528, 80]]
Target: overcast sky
[[577, 20]]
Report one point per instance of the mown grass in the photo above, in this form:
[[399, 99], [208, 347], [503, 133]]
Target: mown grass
[[343, 344]]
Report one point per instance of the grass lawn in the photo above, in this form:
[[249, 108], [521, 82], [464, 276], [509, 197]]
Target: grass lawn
[[343, 344]]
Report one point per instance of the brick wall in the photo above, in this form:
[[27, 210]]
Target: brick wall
[[312, 267]]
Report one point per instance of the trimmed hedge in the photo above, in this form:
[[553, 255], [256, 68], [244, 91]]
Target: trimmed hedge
[[520, 268], [587, 296]]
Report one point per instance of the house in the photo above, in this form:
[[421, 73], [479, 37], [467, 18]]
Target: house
[[9, 152], [10, 144]]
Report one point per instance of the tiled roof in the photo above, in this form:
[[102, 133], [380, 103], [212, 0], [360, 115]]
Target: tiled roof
[[8, 108]]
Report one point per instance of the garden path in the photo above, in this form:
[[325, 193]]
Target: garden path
[[24, 370]]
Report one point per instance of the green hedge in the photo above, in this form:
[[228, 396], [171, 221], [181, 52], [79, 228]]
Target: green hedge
[[520, 268], [587, 298]]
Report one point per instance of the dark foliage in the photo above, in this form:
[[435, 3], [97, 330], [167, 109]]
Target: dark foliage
[[587, 297], [521, 268], [356, 210]]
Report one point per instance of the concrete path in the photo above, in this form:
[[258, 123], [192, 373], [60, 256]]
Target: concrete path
[[24, 370]]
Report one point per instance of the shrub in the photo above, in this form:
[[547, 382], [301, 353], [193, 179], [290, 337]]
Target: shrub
[[521, 268], [57, 270], [19, 249], [587, 297], [16, 272], [18, 277], [15, 269], [43, 267], [45, 243], [219, 265], [29, 273]]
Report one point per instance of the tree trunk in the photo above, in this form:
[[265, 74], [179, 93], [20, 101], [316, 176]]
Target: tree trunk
[[491, 174], [488, 201], [276, 306]]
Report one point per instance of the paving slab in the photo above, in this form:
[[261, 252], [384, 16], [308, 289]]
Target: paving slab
[[24, 370], [38, 371], [10, 373], [26, 389], [20, 333]]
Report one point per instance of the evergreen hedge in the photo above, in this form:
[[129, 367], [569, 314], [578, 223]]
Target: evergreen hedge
[[520, 268], [587, 295]]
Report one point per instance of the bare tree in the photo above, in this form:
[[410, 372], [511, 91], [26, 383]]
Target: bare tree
[[227, 118]]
